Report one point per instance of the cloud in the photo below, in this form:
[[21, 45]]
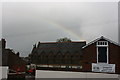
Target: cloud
[[24, 24]]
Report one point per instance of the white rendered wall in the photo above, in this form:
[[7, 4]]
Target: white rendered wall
[[3, 72], [64, 74]]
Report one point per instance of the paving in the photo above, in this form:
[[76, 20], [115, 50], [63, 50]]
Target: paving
[[29, 77]]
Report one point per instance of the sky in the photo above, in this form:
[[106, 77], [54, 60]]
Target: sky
[[26, 23]]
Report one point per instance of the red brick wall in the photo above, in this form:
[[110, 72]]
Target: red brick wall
[[114, 56], [90, 56], [15, 62]]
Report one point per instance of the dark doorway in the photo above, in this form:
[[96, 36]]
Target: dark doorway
[[102, 54]]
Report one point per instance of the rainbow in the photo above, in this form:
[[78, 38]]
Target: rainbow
[[63, 28]]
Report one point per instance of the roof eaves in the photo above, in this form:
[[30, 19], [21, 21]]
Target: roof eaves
[[111, 41], [91, 42], [99, 39]]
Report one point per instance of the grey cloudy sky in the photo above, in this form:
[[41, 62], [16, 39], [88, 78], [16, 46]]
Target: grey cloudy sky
[[26, 23]]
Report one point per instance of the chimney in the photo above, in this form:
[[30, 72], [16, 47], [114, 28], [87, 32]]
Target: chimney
[[3, 43], [18, 54], [38, 44]]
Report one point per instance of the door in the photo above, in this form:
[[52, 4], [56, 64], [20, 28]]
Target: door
[[102, 54]]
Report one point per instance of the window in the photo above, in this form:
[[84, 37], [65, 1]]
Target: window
[[102, 52], [102, 43]]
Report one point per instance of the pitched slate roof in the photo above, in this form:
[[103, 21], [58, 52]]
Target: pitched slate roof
[[101, 39], [62, 47]]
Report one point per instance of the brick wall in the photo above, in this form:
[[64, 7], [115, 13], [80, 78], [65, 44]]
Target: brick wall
[[90, 56]]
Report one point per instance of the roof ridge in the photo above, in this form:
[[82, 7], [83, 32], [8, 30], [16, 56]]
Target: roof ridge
[[65, 42]]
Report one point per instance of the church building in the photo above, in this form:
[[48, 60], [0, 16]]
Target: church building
[[58, 54], [100, 55]]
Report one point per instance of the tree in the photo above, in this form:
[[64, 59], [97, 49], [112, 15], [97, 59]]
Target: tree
[[65, 39]]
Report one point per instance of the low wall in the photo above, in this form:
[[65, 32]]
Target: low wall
[[3, 72], [67, 74]]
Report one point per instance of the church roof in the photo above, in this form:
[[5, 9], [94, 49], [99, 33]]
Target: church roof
[[60, 47]]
